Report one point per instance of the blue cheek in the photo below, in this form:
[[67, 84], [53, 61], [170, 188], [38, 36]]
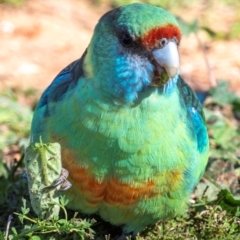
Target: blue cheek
[[132, 74]]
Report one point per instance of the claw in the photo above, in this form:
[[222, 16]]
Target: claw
[[61, 180], [123, 236], [65, 186]]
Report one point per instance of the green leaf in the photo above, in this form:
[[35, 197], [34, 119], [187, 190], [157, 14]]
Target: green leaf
[[3, 170], [235, 29], [43, 165], [35, 238], [14, 231], [63, 200], [210, 32], [228, 202], [188, 28], [62, 221]]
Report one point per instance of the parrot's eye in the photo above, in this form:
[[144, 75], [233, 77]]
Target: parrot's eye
[[163, 42], [126, 40]]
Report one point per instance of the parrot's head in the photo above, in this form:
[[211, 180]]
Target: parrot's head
[[134, 48]]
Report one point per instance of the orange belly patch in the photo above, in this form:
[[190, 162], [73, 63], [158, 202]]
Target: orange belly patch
[[118, 193], [113, 192]]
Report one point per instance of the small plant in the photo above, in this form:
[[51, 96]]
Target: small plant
[[34, 228], [43, 167]]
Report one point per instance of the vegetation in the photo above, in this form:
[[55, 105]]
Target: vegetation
[[13, 2]]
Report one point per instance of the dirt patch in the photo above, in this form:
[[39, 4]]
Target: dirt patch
[[40, 38]]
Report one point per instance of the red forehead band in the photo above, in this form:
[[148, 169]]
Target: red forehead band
[[153, 36]]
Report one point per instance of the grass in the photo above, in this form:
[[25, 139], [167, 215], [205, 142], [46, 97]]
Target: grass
[[12, 2]]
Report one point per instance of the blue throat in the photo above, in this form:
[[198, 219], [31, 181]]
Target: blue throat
[[170, 85], [133, 74]]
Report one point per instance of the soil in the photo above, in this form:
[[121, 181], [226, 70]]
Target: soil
[[39, 38]]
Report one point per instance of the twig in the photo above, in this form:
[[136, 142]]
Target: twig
[[212, 79], [10, 217], [211, 180]]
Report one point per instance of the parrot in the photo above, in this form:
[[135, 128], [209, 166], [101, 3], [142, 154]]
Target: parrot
[[132, 132]]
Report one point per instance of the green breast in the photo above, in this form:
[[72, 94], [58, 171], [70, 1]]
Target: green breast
[[134, 160]]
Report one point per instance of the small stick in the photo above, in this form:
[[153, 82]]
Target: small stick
[[10, 217], [212, 79]]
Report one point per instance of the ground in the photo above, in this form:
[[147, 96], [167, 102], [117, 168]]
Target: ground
[[39, 38]]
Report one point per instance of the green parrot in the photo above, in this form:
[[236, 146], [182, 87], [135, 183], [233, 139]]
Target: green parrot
[[132, 132]]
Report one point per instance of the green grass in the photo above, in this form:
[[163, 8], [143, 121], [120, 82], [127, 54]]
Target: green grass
[[12, 2]]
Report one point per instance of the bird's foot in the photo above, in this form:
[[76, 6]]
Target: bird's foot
[[62, 181], [124, 236]]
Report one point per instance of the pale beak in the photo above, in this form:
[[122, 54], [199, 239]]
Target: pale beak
[[167, 58]]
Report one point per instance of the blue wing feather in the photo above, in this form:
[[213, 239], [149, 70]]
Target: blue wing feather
[[190, 101], [65, 80]]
